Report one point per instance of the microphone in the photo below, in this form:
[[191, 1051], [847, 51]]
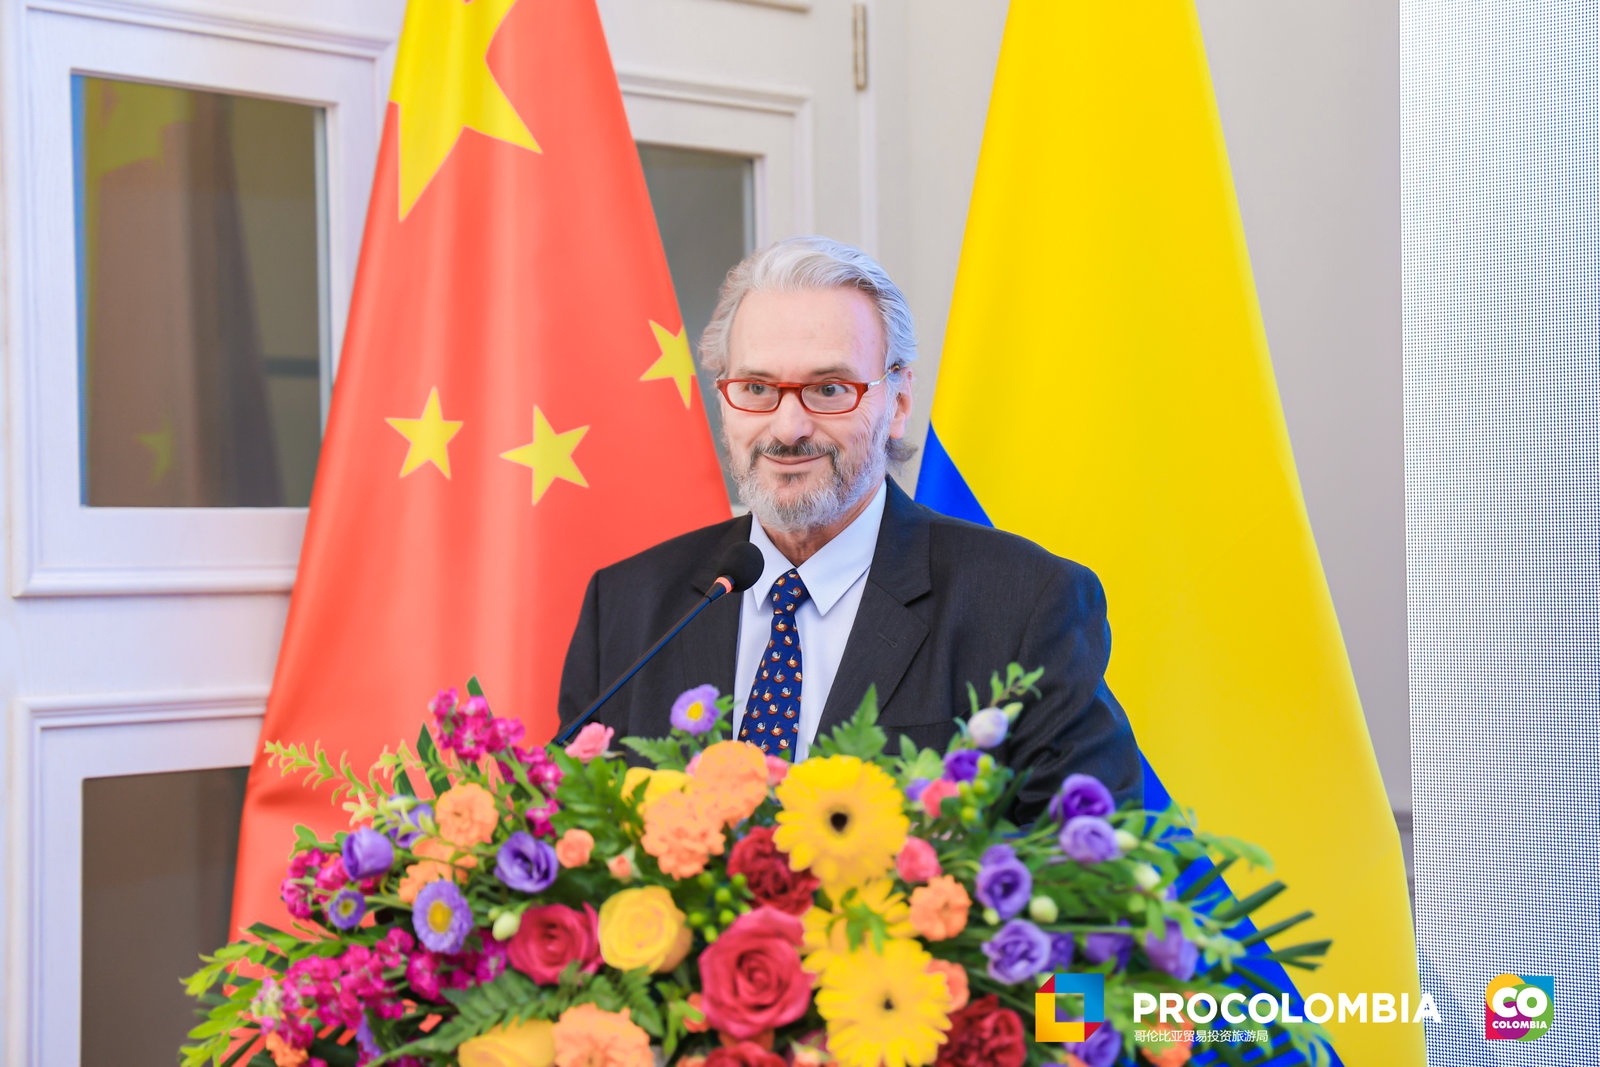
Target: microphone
[[738, 568]]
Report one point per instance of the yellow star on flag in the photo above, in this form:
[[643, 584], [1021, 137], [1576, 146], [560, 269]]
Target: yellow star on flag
[[443, 85], [429, 437], [674, 362], [549, 455]]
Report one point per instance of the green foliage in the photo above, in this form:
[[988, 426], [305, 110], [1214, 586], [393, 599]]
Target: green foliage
[[666, 753], [860, 736]]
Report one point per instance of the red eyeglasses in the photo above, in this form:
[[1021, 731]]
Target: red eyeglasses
[[829, 397]]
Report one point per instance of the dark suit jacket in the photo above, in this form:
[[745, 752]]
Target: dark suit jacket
[[946, 602]]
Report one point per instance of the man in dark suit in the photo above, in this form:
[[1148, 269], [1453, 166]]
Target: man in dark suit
[[812, 344]]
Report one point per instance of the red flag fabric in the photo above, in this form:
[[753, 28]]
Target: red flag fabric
[[514, 406]]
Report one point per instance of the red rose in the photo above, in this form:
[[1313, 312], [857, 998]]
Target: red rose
[[768, 874], [751, 978], [551, 937], [744, 1054], [983, 1034]]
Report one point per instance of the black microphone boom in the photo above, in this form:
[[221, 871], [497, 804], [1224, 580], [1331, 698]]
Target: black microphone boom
[[738, 569]]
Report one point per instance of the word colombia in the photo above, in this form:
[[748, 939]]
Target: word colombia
[[1202, 1008]]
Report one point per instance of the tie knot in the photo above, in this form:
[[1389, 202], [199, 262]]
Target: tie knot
[[788, 592]]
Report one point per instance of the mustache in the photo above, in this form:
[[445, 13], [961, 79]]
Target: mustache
[[799, 450]]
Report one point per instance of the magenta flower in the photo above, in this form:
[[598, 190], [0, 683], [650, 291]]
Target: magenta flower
[[539, 816], [696, 710], [441, 916]]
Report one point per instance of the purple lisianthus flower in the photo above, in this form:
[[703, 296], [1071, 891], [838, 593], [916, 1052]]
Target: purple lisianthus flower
[[1101, 1050], [526, 864], [365, 1041], [962, 765], [442, 917], [988, 727], [1174, 953], [1003, 884], [1089, 839], [410, 827], [345, 909], [1097, 948], [1061, 952], [696, 710], [915, 787], [1018, 951], [1081, 794], [366, 853]]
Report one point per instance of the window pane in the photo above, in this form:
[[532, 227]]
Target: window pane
[[200, 290], [705, 207], [158, 855]]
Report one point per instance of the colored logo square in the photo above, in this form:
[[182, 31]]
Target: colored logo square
[[1518, 1007], [1047, 1022]]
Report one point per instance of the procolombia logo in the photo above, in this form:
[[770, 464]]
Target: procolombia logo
[[1203, 1008], [1518, 1007]]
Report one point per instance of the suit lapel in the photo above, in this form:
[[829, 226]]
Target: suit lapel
[[886, 633], [709, 647]]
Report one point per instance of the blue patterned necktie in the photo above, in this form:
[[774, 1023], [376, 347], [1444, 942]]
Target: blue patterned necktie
[[772, 716]]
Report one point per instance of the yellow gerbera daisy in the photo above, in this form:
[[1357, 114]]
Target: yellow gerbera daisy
[[827, 932], [842, 818], [884, 1009]]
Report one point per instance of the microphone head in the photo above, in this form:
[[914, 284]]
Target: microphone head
[[742, 565]]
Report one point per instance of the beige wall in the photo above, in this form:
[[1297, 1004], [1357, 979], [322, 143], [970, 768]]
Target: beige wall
[[1309, 96]]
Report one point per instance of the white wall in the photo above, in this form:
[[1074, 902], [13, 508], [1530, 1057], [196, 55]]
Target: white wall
[[1309, 96]]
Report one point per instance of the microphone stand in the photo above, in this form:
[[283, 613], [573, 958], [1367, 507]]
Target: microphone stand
[[719, 588]]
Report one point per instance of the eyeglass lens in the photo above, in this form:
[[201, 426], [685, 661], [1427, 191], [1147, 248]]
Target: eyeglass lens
[[824, 398]]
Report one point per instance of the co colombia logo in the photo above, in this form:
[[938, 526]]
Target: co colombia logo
[[1518, 1007], [1048, 1026]]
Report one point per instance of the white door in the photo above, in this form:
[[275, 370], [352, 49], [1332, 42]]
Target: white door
[[185, 183]]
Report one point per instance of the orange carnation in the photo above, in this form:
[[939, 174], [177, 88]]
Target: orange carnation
[[467, 815], [587, 1036], [681, 830], [439, 859], [733, 776], [574, 848], [939, 909], [955, 976]]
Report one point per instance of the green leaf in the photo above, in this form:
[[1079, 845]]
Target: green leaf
[[665, 752], [473, 688], [861, 736], [432, 762]]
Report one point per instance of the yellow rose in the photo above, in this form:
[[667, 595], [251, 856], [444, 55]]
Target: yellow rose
[[529, 1044], [660, 783], [643, 928]]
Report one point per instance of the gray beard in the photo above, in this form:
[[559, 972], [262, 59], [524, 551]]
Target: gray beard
[[827, 503]]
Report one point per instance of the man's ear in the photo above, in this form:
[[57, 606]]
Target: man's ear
[[902, 406]]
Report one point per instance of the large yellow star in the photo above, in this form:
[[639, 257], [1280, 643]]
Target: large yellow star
[[429, 436], [549, 455], [443, 85], [674, 362]]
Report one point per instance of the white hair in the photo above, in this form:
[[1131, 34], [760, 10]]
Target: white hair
[[797, 264]]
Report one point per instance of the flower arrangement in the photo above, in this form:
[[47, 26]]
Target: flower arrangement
[[496, 905]]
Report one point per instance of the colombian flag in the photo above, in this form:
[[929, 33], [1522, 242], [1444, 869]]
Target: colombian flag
[[1106, 390], [515, 404]]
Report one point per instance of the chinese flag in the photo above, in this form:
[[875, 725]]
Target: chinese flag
[[515, 404]]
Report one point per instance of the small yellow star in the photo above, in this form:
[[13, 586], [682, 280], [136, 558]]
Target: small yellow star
[[549, 455], [674, 362], [443, 85], [429, 436]]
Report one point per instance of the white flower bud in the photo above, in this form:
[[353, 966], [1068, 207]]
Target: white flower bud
[[506, 925], [988, 727], [1146, 876], [1042, 909], [1126, 842]]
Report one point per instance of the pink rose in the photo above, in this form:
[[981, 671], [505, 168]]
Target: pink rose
[[591, 741], [777, 770], [551, 937], [935, 794], [751, 975], [917, 862]]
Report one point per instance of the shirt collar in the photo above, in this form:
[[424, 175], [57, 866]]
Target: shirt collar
[[835, 566]]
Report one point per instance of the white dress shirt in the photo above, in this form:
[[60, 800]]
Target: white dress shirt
[[833, 578]]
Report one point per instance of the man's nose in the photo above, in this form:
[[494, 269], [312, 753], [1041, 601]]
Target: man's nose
[[791, 422]]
